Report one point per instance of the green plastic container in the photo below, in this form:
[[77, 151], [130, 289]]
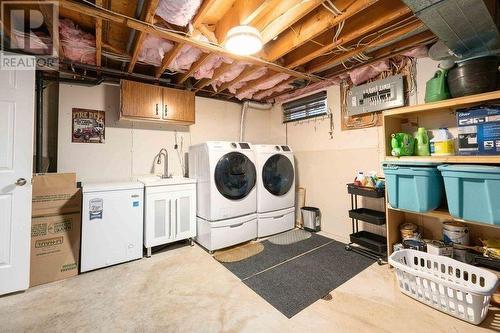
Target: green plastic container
[[436, 89], [473, 192], [416, 187]]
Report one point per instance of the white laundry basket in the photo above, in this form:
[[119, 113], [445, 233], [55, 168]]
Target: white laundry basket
[[458, 289]]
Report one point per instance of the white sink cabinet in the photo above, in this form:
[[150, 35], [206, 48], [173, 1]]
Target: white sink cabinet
[[169, 210]]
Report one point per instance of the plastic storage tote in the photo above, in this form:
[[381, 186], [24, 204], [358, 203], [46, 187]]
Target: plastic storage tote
[[473, 192], [448, 285], [414, 187]]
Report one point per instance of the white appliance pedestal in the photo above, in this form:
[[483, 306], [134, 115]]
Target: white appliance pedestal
[[274, 222], [219, 234]]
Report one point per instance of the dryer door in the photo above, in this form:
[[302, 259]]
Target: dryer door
[[278, 174], [235, 176]]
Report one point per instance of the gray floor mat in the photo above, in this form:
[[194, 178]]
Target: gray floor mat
[[272, 255], [290, 237], [296, 284]]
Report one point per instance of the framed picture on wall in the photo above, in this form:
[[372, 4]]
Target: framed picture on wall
[[88, 126]]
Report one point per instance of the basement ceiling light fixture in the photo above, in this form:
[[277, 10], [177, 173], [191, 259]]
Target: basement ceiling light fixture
[[243, 40]]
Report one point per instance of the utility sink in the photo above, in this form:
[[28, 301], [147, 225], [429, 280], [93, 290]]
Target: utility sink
[[153, 180]]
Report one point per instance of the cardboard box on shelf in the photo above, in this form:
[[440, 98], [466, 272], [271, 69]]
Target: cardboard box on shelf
[[55, 228], [479, 130]]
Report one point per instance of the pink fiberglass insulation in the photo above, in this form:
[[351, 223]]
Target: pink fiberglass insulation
[[273, 81], [153, 49], [76, 44], [279, 88], [231, 74], [418, 52], [178, 12], [187, 56], [363, 74], [254, 76], [310, 88], [206, 70]]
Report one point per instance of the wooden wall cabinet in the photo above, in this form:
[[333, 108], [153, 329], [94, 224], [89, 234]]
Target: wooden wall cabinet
[[149, 102]]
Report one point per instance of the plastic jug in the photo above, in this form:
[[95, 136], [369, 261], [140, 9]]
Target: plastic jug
[[402, 144], [436, 89], [422, 142]]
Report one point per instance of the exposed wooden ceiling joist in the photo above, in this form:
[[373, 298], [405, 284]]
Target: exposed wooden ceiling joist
[[246, 73], [217, 74], [326, 62], [242, 12], [423, 38], [140, 36], [252, 84], [196, 23], [297, 9], [312, 25], [194, 67], [98, 37], [289, 81], [168, 58], [382, 12], [147, 28]]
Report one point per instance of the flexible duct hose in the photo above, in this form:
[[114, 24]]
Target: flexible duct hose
[[244, 108]]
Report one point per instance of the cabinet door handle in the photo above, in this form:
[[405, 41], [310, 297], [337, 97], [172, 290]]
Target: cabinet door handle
[[166, 111], [156, 108]]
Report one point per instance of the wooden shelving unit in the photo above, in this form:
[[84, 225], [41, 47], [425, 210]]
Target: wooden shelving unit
[[433, 116]]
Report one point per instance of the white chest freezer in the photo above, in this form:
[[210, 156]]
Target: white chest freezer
[[112, 224]]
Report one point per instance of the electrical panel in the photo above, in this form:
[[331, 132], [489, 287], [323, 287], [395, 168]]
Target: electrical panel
[[376, 96]]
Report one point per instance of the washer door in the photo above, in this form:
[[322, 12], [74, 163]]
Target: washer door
[[235, 176], [278, 174]]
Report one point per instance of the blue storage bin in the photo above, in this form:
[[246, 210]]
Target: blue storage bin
[[473, 192], [417, 187]]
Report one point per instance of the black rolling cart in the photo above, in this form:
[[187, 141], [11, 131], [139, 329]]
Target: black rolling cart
[[364, 242]]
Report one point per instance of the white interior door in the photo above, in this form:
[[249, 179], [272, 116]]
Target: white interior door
[[17, 98]]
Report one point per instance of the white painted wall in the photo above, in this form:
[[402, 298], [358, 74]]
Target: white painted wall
[[130, 147], [324, 166]]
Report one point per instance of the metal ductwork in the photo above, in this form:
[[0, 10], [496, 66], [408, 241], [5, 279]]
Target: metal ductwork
[[467, 27]]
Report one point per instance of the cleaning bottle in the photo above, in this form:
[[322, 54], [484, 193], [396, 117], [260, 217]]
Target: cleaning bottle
[[442, 143], [422, 141]]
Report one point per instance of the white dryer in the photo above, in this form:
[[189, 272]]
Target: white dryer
[[226, 192], [275, 189]]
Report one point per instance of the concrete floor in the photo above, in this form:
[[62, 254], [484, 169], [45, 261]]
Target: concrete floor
[[184, 290]]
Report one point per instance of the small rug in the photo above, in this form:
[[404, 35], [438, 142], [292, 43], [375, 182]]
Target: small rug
[[294, 285], [273, 255], [239, 253], [290, 237], [292, 277]]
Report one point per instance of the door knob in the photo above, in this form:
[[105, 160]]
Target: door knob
[[21, 182]]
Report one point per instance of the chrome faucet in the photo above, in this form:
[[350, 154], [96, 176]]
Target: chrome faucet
[[163, 152]]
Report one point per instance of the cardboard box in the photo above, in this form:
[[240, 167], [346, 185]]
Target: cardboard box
[[55, 193], [55, 228], [55, 247], [479, 130]]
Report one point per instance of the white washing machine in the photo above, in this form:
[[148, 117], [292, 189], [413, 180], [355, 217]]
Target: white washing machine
[[226, 192], [275, 189]]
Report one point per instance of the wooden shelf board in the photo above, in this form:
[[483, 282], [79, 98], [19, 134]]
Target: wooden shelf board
[[448, 104], [446, 159], [444, 215]]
